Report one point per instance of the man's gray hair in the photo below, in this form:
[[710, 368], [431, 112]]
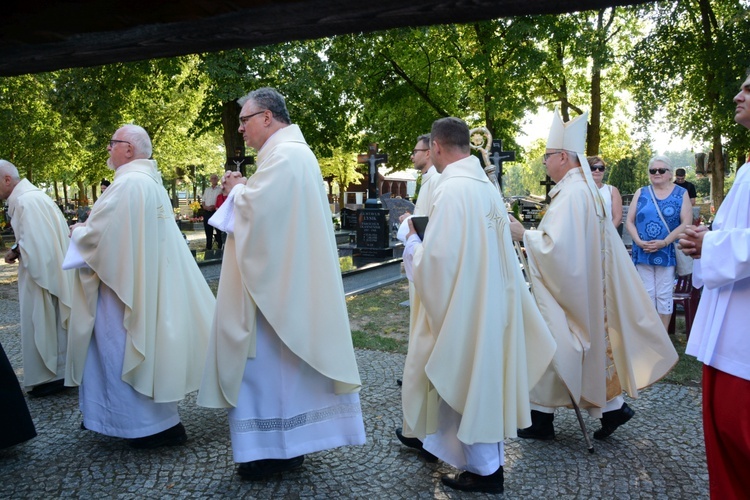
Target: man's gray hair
[[451, 132], [139, 139], [270, 99], [7, 168]]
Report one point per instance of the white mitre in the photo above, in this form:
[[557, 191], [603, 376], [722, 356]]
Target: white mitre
[[571, 136]]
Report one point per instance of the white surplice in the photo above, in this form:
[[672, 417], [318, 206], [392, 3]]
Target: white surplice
[[719, 337], [286, 408], [109, 405]]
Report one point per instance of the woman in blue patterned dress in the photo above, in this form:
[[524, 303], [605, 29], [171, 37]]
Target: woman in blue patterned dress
[[653, 252]]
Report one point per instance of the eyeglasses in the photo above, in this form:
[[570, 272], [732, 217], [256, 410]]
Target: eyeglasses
[[547, 155], [600, 168], [244, 119], [112, 142], [415, 151], [653, 171]]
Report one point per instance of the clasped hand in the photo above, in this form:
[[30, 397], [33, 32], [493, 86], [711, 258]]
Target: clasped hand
[[231, 179]]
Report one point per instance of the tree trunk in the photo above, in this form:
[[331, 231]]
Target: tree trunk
[[57, 193], [595, 117], [230, 122], [717, 174]]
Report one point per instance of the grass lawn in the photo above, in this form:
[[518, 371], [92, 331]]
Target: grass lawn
[[379, 322]]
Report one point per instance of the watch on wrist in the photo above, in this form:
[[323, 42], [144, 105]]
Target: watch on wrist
[[14, 248]]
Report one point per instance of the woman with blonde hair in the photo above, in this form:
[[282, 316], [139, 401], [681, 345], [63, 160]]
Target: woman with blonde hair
[[610, 194], [656, 217]]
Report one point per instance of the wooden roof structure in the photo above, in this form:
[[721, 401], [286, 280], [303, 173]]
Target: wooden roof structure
[[46, 35]]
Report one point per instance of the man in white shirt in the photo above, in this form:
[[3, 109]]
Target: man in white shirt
[[208, 204], [720, 337]]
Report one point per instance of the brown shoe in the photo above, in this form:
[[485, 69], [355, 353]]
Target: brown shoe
[[468, 481]]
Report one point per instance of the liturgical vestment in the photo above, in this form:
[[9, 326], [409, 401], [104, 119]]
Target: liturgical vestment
[[480, 342], [44, 289], [595, 305], [135, 252], [281, 319]]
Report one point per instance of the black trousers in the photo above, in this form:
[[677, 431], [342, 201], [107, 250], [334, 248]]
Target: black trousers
[[211, 231]]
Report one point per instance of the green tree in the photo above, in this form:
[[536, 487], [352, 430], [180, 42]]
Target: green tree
[[690, 66]]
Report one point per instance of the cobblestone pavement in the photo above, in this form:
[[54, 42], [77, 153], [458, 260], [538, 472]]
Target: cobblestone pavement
[[658, 454]]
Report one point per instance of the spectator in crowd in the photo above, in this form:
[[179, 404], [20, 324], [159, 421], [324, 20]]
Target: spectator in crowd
[[657, 215], [610, 194]]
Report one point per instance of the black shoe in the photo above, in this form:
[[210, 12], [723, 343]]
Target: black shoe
[[468, 481], [260, 469], [47, 388], [611, 420], [174, 436], [417, 445], [541, 427], [399, 382]]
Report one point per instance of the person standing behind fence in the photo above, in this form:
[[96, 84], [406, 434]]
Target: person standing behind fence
[[653, 252], [720, 337]]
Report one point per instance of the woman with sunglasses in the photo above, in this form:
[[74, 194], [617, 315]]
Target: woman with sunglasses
[[610, 194], [653, 252]]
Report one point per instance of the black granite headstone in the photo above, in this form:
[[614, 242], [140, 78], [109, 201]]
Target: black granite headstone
[[349, 219], [373, 237]]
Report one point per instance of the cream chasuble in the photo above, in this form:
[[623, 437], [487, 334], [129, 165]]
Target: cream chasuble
[[569, 271], [430, 180], [283, 261], [132, 244], [44, 289], [481, 343]]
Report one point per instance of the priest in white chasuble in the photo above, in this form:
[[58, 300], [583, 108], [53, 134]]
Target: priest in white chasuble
[[280, 356], [141, 318], [44, 289], [609, 338], [481, 343]]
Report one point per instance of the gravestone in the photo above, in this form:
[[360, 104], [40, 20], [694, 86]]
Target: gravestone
[[396, 208], [531, 211], [349, 219], [373, 235]]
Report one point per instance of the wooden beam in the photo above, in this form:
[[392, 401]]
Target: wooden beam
[[225, 26]]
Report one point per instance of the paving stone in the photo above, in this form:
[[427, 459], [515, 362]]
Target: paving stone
[[658, 454]]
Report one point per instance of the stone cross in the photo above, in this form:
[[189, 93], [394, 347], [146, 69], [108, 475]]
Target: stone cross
[[498, 156], [373, 159], [547, 183]]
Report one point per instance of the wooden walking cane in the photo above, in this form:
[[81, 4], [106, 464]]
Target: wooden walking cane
[[480, 138]]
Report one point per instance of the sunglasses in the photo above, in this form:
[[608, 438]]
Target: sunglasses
[[600, 168], [653, 171]]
